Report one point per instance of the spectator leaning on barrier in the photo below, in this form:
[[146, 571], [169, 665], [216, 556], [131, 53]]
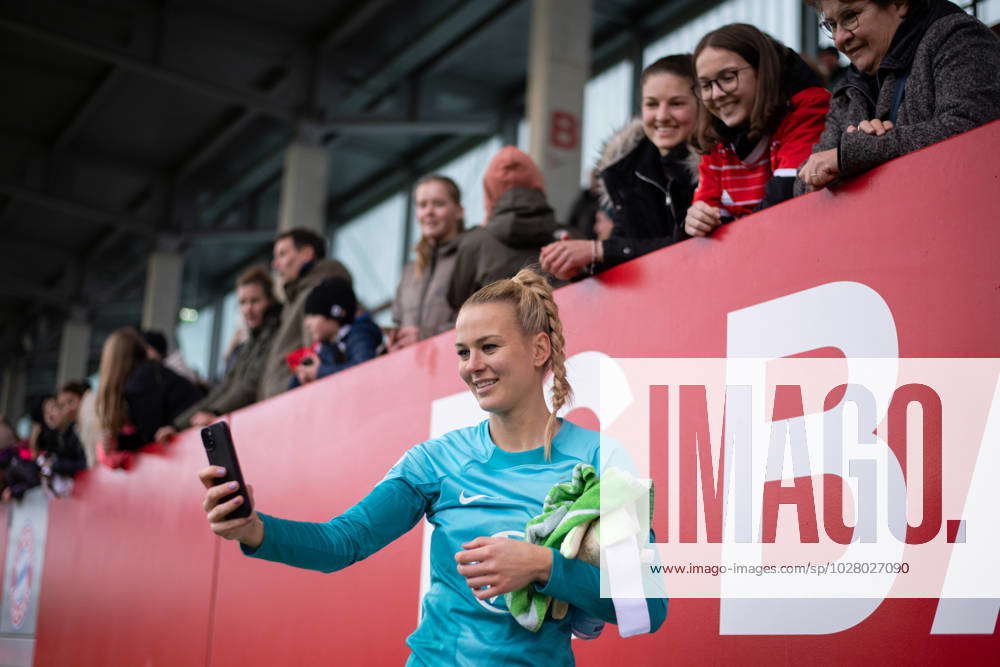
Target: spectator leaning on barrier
[[762, 110], [136, 395], [340, 337], [68, 457], [421, 307], [299, 260], [519, 222], [921, 71], [261, 315], [648, 176], [156, 349], [18, 472]]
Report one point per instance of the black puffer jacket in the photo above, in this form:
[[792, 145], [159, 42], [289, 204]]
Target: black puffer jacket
[[647, 194]]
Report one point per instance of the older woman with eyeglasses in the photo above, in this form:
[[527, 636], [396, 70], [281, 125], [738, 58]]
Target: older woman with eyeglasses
[[765, 110], [922, 71]]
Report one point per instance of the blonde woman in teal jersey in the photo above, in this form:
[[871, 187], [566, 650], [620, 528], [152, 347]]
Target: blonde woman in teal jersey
[[474, 485]]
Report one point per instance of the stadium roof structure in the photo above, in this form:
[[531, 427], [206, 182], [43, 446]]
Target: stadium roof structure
[[131, 125]]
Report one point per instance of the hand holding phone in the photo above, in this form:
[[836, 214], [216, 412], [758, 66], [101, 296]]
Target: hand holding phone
[[228, 501]]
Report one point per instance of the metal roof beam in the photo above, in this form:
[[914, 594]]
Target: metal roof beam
[[245, 98], [482, 124], [79, 210]]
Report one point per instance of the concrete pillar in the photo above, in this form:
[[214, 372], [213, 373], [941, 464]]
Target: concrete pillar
[[15, 384], [304, 188], [162, 301], [558, 69], [74, 351]]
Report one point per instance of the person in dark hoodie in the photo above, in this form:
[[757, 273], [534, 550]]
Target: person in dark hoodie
[[340, 337], [648, 176], [261, 315], [519, 221], [921, 71], [765, 109]]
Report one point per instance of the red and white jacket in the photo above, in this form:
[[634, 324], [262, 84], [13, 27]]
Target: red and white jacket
[[737, 186]]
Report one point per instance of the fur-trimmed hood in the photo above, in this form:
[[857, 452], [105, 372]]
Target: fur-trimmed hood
[[622, 143]]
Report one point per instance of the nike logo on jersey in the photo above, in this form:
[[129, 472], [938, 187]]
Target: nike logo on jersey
[[465, 500]]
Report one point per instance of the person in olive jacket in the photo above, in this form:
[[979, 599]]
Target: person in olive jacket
[[519, 221], [261, 314]]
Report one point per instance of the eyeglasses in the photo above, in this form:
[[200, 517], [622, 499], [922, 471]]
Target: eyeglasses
[[848, 21], [727, 81]]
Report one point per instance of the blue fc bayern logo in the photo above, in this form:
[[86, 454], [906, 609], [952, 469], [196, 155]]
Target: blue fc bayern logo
[[21, 575]]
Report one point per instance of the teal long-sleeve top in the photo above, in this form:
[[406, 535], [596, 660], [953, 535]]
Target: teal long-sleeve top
[[467, 487]]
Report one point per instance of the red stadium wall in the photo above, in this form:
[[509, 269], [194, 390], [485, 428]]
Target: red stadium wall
[[132, 575]]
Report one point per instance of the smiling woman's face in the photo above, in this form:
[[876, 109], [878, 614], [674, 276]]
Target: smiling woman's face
[[502, 367], [734, 107], [868, 43]]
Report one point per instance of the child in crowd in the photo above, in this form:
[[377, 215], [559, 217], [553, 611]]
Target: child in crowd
[[765, 109], [341, 338]]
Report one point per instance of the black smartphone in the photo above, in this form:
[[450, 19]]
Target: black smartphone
[[221, 452]]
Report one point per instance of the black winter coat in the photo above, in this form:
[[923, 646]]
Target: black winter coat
[[647, 194], [155, 395]]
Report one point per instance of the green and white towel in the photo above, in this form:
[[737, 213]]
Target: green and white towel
[[570, 522], [567, 513]]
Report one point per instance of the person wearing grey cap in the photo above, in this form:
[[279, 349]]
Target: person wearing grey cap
[[341, 338]]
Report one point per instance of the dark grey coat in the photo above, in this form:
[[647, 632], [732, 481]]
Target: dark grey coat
[[953, 87]]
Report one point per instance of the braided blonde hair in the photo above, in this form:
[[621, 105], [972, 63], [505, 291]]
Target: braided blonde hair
[[535, 308]]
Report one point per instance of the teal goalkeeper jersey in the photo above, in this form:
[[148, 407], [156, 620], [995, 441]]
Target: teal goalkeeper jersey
[[467, 487]]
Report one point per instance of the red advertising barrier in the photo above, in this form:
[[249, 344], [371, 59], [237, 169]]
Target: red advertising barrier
[[132, 575]]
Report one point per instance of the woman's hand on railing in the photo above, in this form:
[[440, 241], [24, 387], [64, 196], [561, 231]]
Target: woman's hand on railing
[[702, 219]]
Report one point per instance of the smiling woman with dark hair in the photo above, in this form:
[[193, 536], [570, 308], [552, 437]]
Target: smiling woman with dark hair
[[922, 71], [762, 110]]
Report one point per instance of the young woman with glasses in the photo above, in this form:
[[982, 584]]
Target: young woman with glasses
[[922, 71], [763, 108]]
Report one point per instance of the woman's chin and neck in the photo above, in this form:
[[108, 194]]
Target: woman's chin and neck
[[521, 427]]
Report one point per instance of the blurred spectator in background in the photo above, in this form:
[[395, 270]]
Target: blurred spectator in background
[[519, 221], [18, 472], [340, 337], [156, 349], [421, 307], [921, 71], [766, 108], [44, 413], [299, 261], [648, 176], [261, 316], [586, 217], [829, 63], [136, 396], [59, 465]]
